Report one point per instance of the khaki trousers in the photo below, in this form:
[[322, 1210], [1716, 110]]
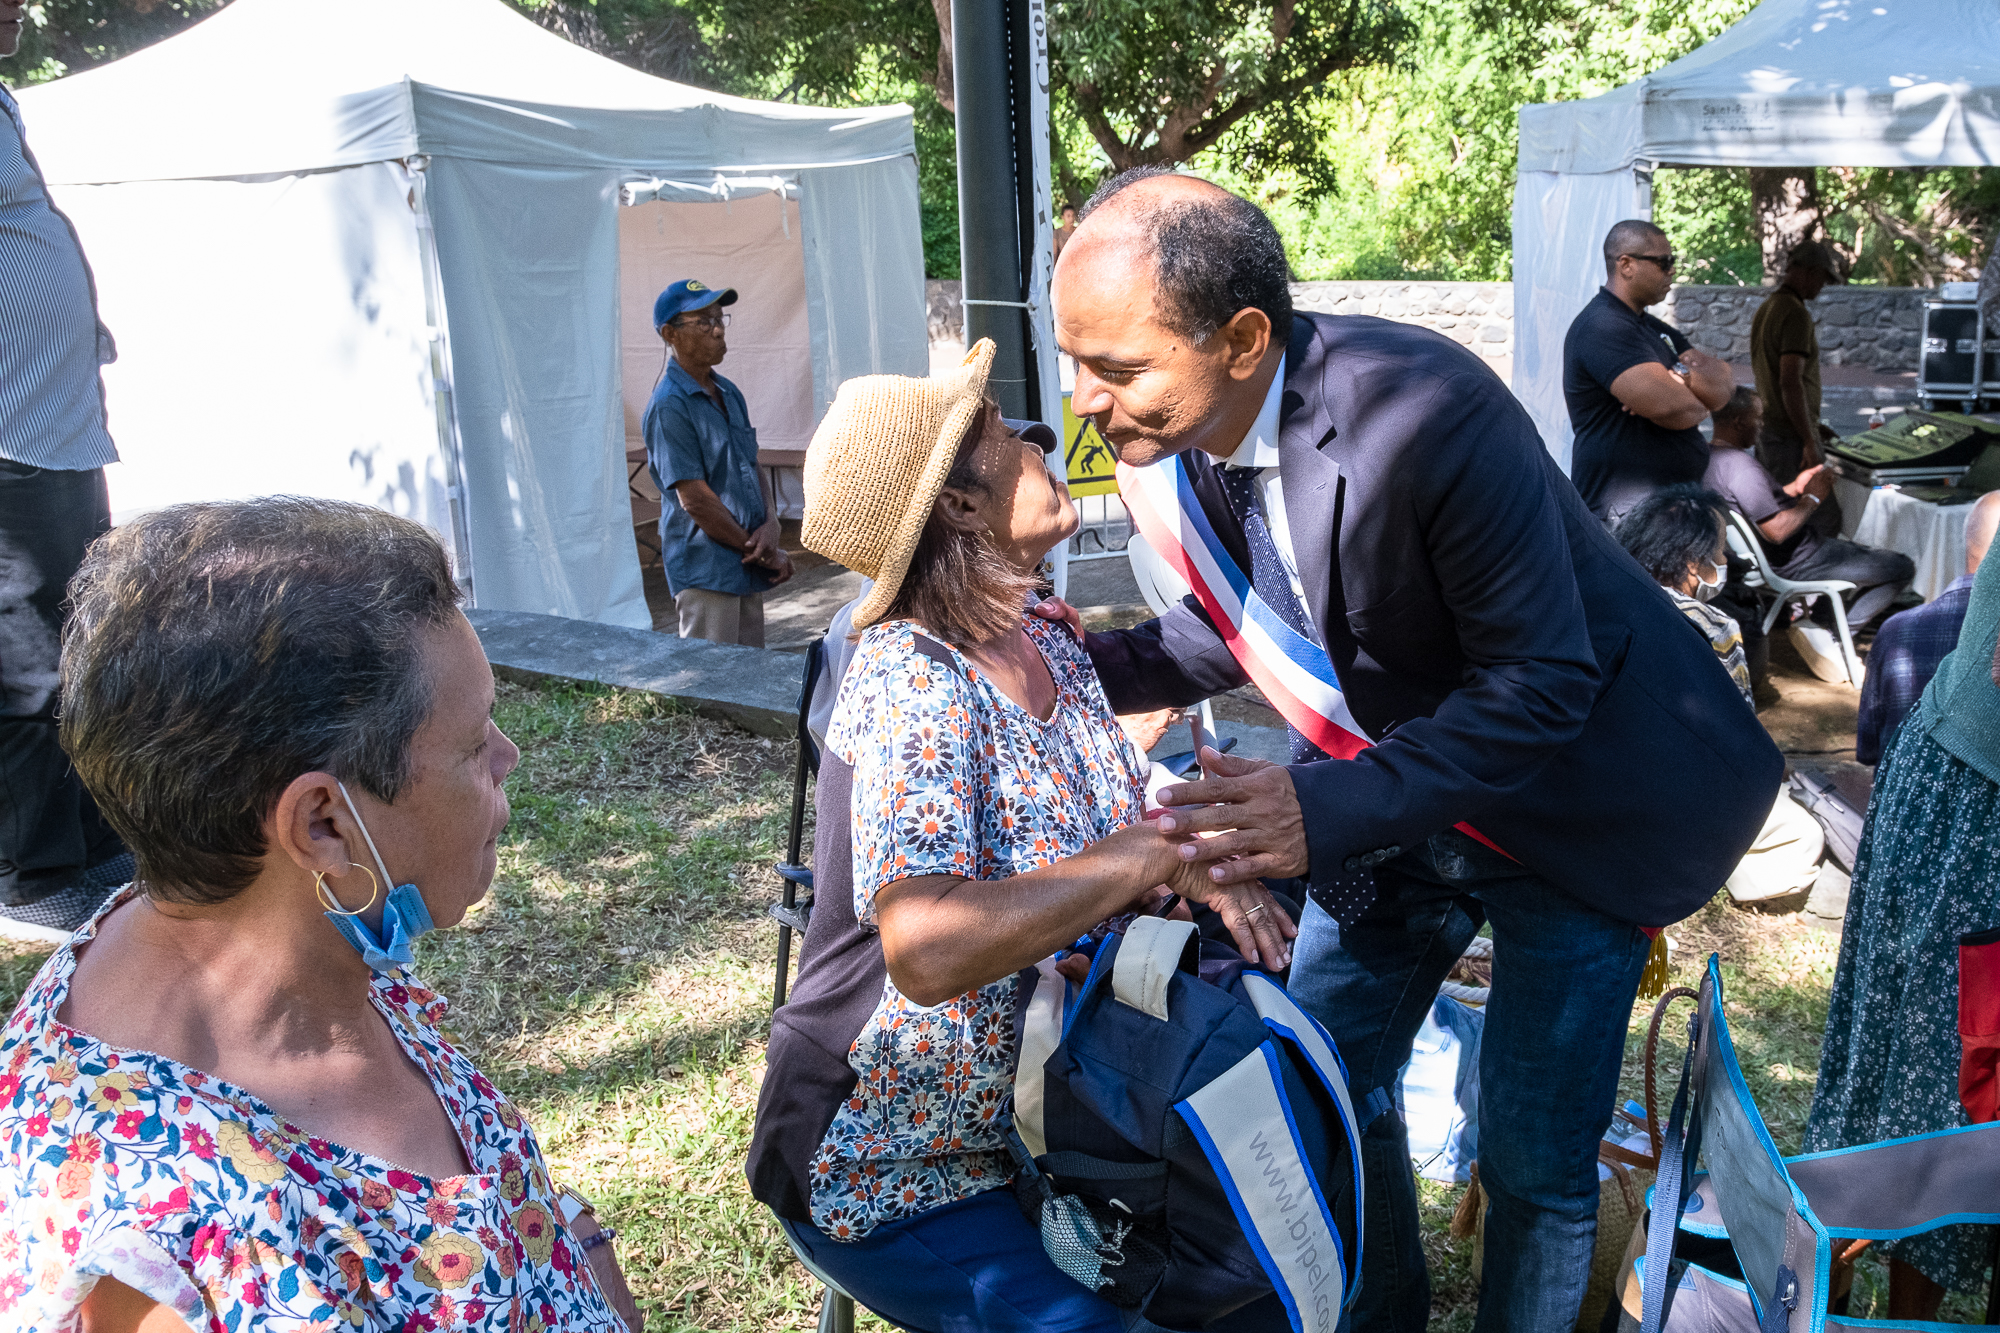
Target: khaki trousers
[[1785, 857], [721, 617]]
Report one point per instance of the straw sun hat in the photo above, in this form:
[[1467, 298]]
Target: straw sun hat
[[877, 463]]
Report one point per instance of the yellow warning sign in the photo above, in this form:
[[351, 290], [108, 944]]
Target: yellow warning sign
[[1087, 460]]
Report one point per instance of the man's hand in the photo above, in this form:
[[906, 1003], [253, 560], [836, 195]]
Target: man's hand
[[1062, 613], [763, 545], [1815, 481], [780, 566], [1251, 808]]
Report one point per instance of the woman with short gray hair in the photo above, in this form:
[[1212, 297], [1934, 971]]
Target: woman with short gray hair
[[229, 1100]]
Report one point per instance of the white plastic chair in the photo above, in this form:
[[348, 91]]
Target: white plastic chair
[[1744, 544], [1163, 588]]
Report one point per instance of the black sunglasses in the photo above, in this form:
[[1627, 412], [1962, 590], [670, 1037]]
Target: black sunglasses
[[1666, 262]]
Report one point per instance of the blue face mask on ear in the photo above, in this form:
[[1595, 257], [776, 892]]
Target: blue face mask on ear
[[404, 916]]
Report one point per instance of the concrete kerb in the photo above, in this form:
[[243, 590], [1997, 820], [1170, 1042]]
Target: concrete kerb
[[755, 688]]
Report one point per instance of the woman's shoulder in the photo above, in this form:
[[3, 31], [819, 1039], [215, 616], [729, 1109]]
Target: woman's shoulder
[[899, 673], [1057, 641]]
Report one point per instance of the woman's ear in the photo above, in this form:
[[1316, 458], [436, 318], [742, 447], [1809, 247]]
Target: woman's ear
[[961, 510], [307, 825]]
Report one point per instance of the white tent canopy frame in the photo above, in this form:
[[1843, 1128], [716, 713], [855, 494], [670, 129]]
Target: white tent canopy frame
[[369, 249], [1880, 83]]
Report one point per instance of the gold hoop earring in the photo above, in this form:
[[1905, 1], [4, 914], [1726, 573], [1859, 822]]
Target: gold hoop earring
[[332, 904]]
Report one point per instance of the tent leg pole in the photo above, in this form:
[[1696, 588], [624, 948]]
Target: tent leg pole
[[447, 406]]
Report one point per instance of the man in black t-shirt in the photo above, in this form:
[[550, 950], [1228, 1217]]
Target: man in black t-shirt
[[1636, 388]]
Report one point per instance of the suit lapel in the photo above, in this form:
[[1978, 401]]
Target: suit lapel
[[1312, 489]]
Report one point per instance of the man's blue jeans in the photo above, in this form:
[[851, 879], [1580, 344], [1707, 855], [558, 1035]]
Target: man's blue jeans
[[1564, 976]]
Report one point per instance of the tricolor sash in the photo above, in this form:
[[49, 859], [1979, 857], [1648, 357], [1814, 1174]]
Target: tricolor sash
[[1294, 673]]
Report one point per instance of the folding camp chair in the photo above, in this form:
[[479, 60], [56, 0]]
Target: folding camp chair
[[1744, 544], [1778, 1215], [793, 913]]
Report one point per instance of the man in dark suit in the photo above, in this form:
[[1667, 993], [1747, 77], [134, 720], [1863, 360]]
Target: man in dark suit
[[1520, 676]]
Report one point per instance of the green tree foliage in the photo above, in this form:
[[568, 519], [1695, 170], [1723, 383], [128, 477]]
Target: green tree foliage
[[1158, 84], [68, 36]]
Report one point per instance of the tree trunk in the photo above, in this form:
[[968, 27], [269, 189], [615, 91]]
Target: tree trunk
[[1786, 200], [946, 85]]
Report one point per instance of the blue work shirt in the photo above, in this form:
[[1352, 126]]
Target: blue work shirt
[[689, 438]]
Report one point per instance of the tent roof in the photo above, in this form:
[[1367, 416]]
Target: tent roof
[[1885, 83], [276, 87]]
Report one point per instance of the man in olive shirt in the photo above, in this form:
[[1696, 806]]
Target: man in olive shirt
[[1784, 354]]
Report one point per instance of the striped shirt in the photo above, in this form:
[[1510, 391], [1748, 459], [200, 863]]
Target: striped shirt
[[51, 342]]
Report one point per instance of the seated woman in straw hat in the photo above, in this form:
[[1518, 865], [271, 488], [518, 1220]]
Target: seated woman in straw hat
[[995, 815]]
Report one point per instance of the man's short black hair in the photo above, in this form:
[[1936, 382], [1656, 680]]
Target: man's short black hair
[[1629, 237], [1738, 406], [1213, 256], [1671, 527]]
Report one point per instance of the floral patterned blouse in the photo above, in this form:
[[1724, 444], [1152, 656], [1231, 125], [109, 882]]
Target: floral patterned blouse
[[125, 1164], [953, 777]]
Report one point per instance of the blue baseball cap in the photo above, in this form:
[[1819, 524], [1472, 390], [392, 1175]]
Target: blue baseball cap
[[689, 294]]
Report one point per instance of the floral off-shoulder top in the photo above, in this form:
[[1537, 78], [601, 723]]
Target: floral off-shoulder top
[[125, 1164]]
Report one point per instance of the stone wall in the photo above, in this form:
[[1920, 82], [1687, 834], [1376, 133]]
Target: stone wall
[[1875, 328], [1478, 315], [1871, 327]]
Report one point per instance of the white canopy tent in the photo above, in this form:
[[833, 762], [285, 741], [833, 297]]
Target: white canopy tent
[[371, 249], [1880, 83]]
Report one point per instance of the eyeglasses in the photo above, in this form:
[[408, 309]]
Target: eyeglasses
[[1666, 262], [718, 320]]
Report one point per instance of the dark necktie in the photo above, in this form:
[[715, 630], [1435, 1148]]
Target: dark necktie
[[1349, 893], [1268, 576]]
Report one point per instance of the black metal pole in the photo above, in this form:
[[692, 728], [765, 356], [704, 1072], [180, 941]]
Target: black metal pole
[[983, 43]]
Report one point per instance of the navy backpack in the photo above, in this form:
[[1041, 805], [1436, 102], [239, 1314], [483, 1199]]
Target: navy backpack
[[1184, 1135]]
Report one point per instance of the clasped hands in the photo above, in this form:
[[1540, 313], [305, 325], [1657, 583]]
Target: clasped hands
[[1231, 830]]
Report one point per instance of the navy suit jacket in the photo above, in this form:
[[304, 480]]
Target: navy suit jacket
[[1518, 670]]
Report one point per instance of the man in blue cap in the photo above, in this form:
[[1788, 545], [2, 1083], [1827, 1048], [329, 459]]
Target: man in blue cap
[[719, 542]]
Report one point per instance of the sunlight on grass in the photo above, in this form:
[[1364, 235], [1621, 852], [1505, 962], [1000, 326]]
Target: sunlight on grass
[[616, 983]]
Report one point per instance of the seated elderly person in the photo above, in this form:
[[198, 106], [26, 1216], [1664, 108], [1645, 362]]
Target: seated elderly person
[[986, 809], [1910, 644], [1781, 515], [1676, 536], [228, 1102]]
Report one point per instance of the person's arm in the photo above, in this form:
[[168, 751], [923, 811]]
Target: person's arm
[[113, 1307], [1709, 378], [1810, 489], [705, 507], [1792, 396], [1472, 474], [1175, 661], [763, 547], [915, 841], [943, 935], [603, 1261], [1652, 391]]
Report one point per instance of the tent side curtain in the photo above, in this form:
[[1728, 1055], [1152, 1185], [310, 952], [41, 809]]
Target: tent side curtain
[[285, 349], [535, 376], [864, 273], [1559, 225]]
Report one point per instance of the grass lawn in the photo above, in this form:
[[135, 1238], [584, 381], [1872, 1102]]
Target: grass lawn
[[617, 983]]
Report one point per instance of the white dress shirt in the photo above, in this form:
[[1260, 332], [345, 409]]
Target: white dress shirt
[[1260, 450]]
